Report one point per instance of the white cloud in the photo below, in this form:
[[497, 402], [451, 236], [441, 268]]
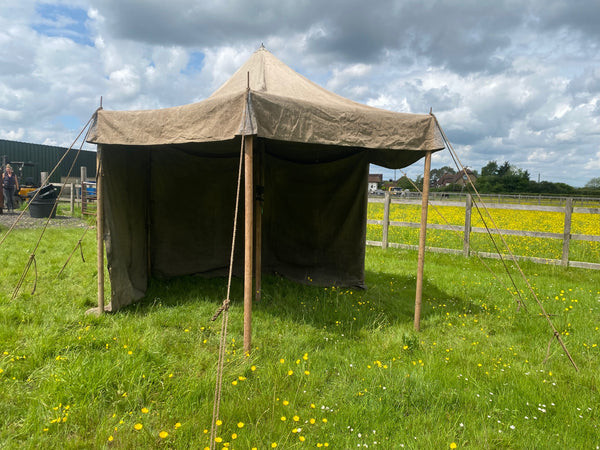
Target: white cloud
[[10, 115], [124, 82], [541, 155], [12, 135], [347, 74], [594, 162], [388, 102], [222, 62], [560, 111]]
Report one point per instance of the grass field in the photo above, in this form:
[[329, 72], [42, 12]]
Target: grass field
[[330, 367], [522, 220]]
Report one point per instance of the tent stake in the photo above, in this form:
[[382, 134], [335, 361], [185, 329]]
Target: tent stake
[[248, 239], [422, 239]]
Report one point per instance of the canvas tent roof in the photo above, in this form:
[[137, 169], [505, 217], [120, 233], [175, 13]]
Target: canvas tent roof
[[316, 148]]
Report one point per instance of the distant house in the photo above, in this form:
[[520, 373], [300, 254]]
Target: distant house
[[375, 180], [459, 179]]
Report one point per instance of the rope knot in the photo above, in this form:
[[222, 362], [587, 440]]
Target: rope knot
[[223, 307]]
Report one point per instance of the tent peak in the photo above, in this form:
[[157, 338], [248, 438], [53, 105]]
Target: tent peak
[[269, 75], [280, 104]]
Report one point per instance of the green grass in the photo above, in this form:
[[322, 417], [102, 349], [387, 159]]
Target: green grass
[[344, 367]]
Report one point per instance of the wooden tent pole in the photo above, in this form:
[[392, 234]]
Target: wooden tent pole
[[100, 228], [422, 239], [258, 205], [248, 238]]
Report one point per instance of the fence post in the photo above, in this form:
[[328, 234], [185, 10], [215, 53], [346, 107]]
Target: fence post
[[467, 234], [83, 174], [567, 231], [386, 219], [72, 198]]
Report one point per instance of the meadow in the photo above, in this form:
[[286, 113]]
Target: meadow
[[330, 367], [521, 220]]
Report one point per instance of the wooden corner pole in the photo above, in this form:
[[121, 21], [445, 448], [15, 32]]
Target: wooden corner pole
[[258, 205], [422, 240], [248, 239], [99, 228]]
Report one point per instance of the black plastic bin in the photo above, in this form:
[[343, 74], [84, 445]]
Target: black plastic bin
[[43, 205], [43, 208]]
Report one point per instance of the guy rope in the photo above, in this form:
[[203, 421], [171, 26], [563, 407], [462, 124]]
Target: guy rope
[[37, 244], [224, 308], [555, 333]]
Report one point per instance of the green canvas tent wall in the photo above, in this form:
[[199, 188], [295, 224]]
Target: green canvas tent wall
[[170, 177]]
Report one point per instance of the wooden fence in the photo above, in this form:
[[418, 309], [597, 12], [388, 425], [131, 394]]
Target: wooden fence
[[566, 236], [84, 196]]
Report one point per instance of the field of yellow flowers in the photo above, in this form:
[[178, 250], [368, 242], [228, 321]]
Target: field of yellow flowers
[[330, 367], [521, 220]]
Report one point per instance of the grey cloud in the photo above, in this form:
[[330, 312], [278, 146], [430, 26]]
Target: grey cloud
[[576, 15], [200, 24], [443, 99], [464, 36], [540, 122], [587, 82], [474, 134]]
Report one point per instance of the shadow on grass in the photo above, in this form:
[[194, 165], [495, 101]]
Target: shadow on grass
[[388, 300]]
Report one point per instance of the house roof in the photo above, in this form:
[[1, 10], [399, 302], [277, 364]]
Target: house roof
[[452, 178]]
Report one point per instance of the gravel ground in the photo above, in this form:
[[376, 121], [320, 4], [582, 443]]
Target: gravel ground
[[26, 221]]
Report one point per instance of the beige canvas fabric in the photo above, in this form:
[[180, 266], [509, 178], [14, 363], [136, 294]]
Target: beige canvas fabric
[[284, 106], [170, 179]]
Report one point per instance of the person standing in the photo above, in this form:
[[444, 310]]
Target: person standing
[[10, 185]]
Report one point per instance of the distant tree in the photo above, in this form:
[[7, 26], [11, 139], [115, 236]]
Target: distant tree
[[419, 182], [594, 183], [547, 187], [506, 178], [405, 183], [436, 174], [503, 178], [564, 188], [490, 169], [505, 169]]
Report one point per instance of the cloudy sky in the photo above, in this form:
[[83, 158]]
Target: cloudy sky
[[509, 80]]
